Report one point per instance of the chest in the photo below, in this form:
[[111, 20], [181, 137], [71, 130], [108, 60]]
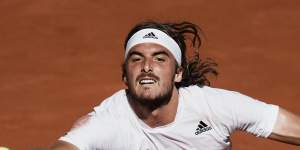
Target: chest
[[187, 134]]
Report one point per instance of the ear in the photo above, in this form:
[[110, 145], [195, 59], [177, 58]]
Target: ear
[[178, 74], [125, 80]]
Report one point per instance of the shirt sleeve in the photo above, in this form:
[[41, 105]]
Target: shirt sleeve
[[240, 112], [89, 132], [253, 116], [81, 133]]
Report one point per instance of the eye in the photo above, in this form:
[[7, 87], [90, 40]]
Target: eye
[[160, 58], [135, 58]]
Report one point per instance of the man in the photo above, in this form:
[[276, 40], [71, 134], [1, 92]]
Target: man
[[168, 103]]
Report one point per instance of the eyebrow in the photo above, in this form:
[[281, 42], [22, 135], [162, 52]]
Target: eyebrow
[[134, 53], [161, 52]]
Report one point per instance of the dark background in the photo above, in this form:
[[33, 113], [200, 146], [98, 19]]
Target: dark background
[[60, 58]]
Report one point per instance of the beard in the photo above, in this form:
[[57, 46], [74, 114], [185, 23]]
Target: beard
[[151, 102]]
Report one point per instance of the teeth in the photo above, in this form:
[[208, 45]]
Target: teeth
[[147, 81]]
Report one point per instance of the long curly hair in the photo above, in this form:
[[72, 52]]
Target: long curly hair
[[195, 69]]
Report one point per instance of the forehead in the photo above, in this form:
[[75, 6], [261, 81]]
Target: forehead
[[149, 48]]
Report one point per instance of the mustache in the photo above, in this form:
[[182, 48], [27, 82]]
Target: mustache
[[149, 75]]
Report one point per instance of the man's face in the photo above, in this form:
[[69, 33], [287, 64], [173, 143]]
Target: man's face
[[151, 72]]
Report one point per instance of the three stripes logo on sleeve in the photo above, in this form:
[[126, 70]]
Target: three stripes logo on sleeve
[[202, 127]]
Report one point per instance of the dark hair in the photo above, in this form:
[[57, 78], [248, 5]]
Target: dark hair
[[195, 70]]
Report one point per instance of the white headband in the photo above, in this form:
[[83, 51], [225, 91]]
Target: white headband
[[154, 36]]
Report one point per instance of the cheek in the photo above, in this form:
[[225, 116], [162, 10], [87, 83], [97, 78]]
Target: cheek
[[131, 74], [167, 73]]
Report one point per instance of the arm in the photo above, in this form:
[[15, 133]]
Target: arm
[[61, 145], [287, 128]]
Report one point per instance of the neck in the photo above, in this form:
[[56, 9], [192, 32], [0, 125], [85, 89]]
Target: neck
[[156, 115]]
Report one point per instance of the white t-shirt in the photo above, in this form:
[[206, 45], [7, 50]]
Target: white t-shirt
[[205, 119]]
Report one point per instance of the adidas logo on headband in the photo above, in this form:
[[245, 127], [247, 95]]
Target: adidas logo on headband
[[150, 35]]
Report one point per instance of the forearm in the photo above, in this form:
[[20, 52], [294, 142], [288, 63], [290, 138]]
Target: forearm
[[286, 139], [287, 128]]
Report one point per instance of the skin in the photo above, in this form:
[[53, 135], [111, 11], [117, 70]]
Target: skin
[[155, 103], [143, 60], [150, 103], [61, 145], [287, 128]]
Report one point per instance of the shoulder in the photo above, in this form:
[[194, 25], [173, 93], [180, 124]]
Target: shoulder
[[207, 92], [109, 111], [208, 100], [112, 104], [98, 128], [216, 102]]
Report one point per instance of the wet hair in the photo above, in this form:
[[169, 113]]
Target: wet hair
[[195, 69]]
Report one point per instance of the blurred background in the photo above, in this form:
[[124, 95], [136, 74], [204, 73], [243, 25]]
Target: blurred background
[[60, 58]]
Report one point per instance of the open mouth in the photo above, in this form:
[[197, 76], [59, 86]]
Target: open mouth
[[147, 81]]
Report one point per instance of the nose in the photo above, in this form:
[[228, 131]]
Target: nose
[[147, 66]]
